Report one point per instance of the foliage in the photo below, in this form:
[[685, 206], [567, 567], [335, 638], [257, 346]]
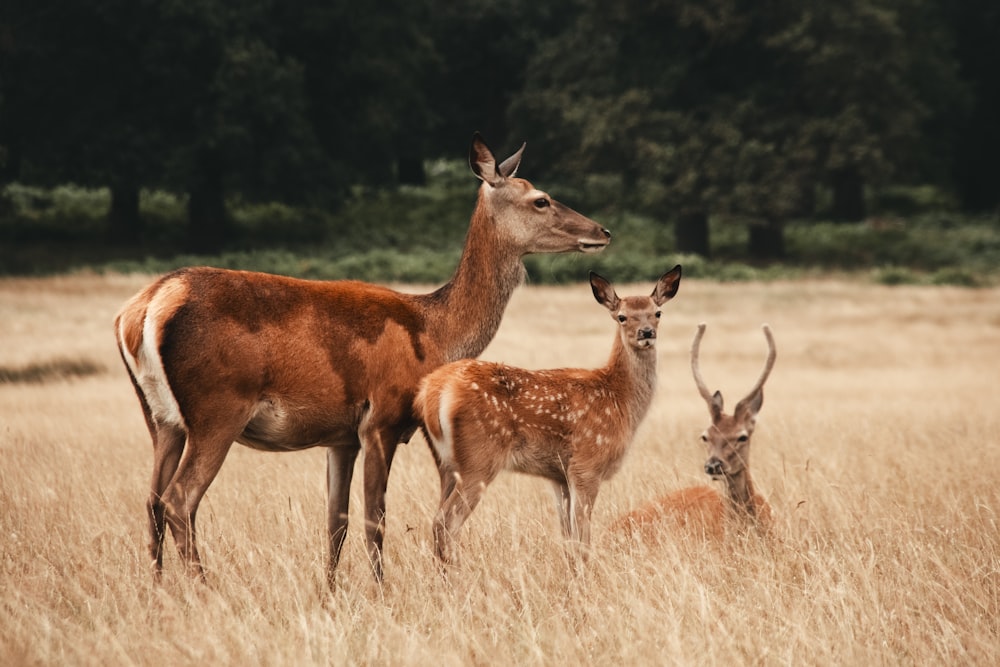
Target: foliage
[[415, 234], [749, 114]]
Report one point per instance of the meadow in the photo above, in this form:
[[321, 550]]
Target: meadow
[[876, 447]]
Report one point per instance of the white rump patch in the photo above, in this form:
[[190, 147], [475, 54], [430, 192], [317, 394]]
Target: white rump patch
[[445, 446], [148, 371]]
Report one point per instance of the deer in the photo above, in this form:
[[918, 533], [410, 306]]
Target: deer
[[570, 426], [282, 364], [702, 508]]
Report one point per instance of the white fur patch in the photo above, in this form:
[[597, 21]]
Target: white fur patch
[[446, 445], [148, 371]]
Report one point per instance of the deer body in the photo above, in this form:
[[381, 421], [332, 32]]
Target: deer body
[[281, 364], [570, 426], [702, 508]]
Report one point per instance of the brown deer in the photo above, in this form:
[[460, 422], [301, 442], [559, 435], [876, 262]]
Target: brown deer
[[280, 364], [570, 426], [702, 508]]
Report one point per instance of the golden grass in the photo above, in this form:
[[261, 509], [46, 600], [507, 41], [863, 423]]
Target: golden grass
[[876, 447]]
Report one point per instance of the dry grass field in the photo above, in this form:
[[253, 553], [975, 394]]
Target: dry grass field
[[876, 446]]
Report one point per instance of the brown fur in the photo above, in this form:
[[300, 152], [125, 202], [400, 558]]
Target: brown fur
[[570, 426], [702, 509], [699, 510], [282, 364]]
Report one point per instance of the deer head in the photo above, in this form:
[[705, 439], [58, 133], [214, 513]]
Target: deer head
[[728, 437], [528, 219], [637, 316]]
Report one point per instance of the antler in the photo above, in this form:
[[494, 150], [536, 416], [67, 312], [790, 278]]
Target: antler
[[695, 370], [772, 354]]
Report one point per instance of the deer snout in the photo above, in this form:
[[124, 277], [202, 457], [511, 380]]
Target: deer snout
[[606, 233], [646, 333], [713, 467]]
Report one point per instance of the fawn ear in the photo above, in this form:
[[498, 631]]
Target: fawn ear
[[604, 292], [667, 285]]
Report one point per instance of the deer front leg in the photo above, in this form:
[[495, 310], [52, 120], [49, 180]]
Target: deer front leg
[[582, 494], [380, 447], [339, 471]]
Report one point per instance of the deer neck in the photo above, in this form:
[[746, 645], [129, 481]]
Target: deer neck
[[465, 312], [631, 374], [741, 492]]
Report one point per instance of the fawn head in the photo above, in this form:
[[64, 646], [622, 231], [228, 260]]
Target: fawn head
[[637, 316], [728, 437]]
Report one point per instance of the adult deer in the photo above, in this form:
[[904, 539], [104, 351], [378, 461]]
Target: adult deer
[[280, 364], [728, 440], [571, 426]]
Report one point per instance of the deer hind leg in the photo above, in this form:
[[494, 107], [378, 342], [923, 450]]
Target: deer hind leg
[[339, 472], [449, 478], [168, 444], [199, 464], [561, 492], [453, 512]]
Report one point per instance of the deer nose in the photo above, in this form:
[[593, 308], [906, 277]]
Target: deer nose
[[713, 467], [647, 332], [606, 233]]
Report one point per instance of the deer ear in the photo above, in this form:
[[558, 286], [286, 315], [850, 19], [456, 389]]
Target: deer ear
[[482, 161], [509, 166], [716, 406], [750, 405], [604, 292], [667, 285]]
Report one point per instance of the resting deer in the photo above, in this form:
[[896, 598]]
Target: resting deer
[[280, 364], [571, 426], [728, 440]]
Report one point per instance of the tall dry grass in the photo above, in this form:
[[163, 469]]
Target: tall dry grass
[[876, 447]]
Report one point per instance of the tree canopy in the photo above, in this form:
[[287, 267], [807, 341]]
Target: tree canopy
[[755, 113]]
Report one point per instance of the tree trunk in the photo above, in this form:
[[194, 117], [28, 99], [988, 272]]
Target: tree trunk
[[848, 196], [410, 171], [124, 222], [208, 224], [691, 233], [767, 241]]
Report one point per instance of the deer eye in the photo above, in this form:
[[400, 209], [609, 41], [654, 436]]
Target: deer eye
[[541, 202], [743, 437], [658, 313], [622, 318], [704, 438]]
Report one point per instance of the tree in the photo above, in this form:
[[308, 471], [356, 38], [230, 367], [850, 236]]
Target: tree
[[868, 75], [736, 109], [76, 101], [976, 169]]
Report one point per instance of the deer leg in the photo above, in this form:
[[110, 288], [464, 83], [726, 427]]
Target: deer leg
[[199, 464], [582, 494], [452, 513], [448, 480], [168, 443], [339, 471], [379, 446], [561, 492]]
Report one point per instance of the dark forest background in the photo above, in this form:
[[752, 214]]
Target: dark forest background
[[849, 134]]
